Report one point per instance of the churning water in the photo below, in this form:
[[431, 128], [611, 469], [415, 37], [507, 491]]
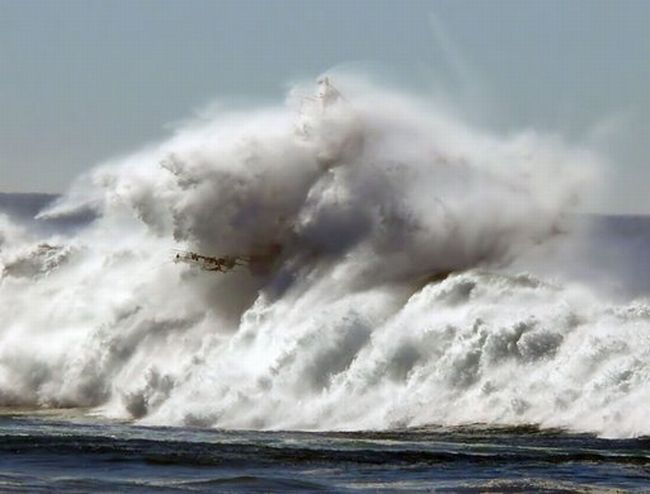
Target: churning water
[[425, 274]]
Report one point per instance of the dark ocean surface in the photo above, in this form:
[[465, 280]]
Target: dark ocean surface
[[46, 453]]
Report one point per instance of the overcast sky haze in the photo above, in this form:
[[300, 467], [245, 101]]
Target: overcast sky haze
[[83, 81]]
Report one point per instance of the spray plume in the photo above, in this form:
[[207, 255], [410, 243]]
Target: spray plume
[[382, 301]]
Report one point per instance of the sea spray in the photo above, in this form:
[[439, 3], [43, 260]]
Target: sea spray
[[388, 303]]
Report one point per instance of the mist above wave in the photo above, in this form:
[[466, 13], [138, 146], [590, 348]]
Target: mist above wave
[[371, 198]]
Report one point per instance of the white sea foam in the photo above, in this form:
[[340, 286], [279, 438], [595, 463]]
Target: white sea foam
[[373, 198]]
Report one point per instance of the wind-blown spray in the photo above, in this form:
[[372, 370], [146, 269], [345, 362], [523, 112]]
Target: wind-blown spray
[[385, 224]]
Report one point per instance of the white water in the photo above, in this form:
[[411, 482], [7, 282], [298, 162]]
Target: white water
[[373, 198]]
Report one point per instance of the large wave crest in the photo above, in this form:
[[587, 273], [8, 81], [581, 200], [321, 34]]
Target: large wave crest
[[385, 300]]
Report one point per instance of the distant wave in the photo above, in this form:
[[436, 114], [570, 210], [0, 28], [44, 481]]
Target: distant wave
[[24, 207]]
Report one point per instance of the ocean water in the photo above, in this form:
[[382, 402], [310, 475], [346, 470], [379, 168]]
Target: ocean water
[[46, 454], [412, 304]]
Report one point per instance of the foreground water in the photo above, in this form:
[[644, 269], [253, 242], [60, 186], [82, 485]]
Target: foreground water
[[46, 454]]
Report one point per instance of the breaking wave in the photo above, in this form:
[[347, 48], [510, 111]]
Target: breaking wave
[[386, 300]]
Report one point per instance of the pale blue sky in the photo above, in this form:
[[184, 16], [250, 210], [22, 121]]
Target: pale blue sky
[[81, 81]]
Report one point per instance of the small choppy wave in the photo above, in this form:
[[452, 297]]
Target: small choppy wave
[[81, 457]]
